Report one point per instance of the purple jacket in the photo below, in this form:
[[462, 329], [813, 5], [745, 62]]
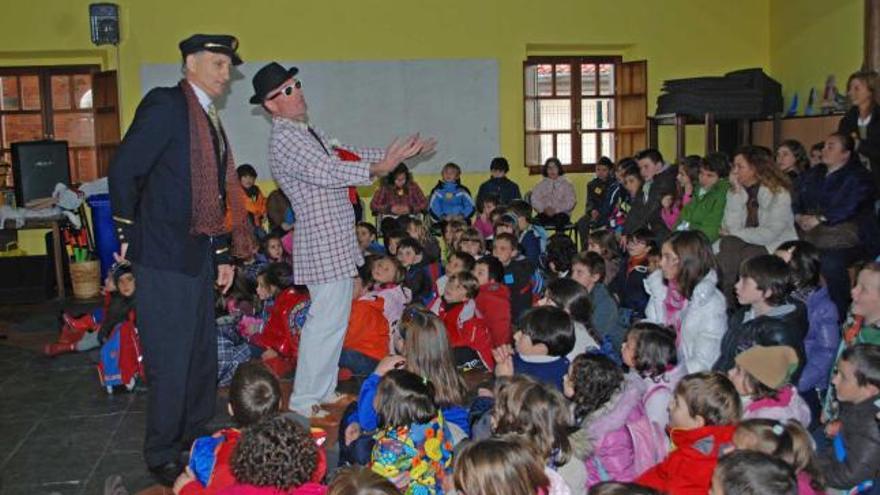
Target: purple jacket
[[604, 441], [821, 342]]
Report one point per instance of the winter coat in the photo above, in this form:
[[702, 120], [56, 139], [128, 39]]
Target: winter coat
[[629, 285], [277, 333], [367, 417], [821, 342], [688, 469], [521, 277], [705, 211], [854, 456], [418, 281], [787, 405], [555, 193], [870, 146], [645, 209], [703, 320], [220, 476], [493, 303], [600, 194], [410, 195], [533, 243], [306, 489], [775, 218], [504, 188], [603, 441], [465, 328], [845, 195], [449, 199], [605, 319], [782, 325], [855, 331]]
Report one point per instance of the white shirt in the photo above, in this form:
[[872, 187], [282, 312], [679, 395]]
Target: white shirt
[[204, 99]]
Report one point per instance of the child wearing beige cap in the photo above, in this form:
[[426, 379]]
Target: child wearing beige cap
[[762, 377]]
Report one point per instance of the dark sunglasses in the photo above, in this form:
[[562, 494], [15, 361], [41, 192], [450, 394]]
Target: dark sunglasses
[[287, 90]]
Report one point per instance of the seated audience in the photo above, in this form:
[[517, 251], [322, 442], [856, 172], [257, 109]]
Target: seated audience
[[473, 243], [450, 199], [520, 276], [768, 316], [452, 232], [493, 299], [702, 419], [606, 244], [588, 269], [532, 238], [787, 441], [416, 228], [852, 460], [459, 261], [398, 195], [749, 472], [554, 197], [255, 202], [468, 333], [862, 121], [708, 199], [792, 159], [602, 193], [757, 216], [629, 286], [672, 202], [367, 237], [417, 278], [627, 171], [684, 296], [658, 180], [486, 204], [556, 259], [499, 185], [544, 336], [816, 153], [762, 377], [571, 297], [649, 352], [506, 465], [834, 211]]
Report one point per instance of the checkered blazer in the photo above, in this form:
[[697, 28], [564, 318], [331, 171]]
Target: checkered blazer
[[315, 181]]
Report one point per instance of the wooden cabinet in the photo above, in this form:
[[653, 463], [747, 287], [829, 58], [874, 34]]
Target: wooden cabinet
[[807, 130]]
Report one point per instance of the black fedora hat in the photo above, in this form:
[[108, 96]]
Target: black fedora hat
[[268, 78]]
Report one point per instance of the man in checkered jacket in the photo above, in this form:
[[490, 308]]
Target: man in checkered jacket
[[308, 168]]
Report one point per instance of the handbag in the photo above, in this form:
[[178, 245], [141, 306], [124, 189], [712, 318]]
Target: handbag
[[840, 236]]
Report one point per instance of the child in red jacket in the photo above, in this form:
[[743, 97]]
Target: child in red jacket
[[468, 334], [493, 299], [254, 395], [702, 420]]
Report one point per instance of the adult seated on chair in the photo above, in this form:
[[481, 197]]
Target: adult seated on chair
[[659, 180], [834, 211], [554, 197], [757, 216], [397, 195]]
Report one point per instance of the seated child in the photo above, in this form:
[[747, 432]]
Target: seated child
[[374, 317], [588, 269], [532, 238], [702, 418], [787, 441], [749, 472], [250, 267], [769, 317], [468, 333], [89, 331], [274, 456], [616, 439], [541, 416], [413, 446], [458, 262], [485, 206], [417, 278], [503, 465], [627, 172], [473, 242], [853, 458], [556, 260], [416, 229], [255, 202], [649, 352], [493, 299], [568, 295], [762, 377], [452, 232], [392, 240], [545, 335], [606, 244], [601, 191], [520, 276], [367, 238], [423, 348], [630, 283], [449, 198], [499, 185], [706, 209], [360, 481], [254, 395]]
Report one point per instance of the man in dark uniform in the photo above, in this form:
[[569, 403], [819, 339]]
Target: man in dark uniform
[[172, 182]]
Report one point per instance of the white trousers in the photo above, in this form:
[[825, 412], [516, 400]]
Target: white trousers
[[320, 344]]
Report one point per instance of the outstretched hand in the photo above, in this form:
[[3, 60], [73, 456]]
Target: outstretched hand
[[401, 149]]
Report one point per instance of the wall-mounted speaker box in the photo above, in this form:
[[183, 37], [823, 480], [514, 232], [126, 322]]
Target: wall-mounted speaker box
[[104, 21], [37, 166]]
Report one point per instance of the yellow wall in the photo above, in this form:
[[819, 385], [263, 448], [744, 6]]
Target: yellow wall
[[810, 39], [679, 38]]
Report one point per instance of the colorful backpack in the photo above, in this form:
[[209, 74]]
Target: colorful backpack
[[121, 360], [650, 445]]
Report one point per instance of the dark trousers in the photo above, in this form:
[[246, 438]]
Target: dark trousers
[[558, 220], [175, 318]]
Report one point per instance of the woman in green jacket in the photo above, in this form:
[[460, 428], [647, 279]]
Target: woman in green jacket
[[706, 207]]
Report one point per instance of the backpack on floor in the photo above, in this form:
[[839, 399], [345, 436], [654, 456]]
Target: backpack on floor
[[121, 361]]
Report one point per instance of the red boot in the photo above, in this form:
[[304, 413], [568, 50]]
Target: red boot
[[58, 348], [84, 322]]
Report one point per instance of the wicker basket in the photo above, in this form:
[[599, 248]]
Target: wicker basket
[[85, 277]]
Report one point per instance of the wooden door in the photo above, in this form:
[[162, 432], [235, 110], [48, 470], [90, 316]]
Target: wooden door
[[106, 110], [631, 100]]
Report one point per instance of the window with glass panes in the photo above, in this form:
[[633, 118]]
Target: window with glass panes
[[569, 110]]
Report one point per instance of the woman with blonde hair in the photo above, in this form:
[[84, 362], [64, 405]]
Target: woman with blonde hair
[[758, 215], [862, 121]]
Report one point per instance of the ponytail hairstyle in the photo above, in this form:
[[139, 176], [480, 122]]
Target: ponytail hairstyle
[[655, 351], [787, 441]]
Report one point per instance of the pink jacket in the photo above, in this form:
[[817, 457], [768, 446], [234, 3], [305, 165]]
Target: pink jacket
[[788, 404], [554, 193], [306, 489]]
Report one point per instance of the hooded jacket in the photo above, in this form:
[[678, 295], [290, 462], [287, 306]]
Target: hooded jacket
[[705, 211], [688, 469], [450, 199], [465, 328], [493, 302], [822, 340], [506, 189], [854, 456]]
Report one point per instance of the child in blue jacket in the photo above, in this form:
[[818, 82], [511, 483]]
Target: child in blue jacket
[[450, 199]]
